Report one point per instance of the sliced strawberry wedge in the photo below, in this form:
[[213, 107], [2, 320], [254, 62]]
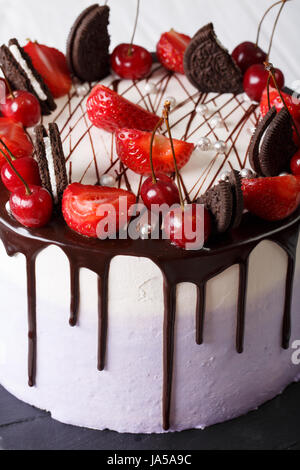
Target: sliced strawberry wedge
[[171, 49], [292, 103], [272, 198], [13, 135], [52, 66], [110, 111], [94, 211], [133, 148]]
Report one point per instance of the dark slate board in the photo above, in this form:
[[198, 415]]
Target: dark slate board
[[276, 425]]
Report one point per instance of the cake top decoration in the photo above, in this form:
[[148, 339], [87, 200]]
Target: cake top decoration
[[88, 45], [209, 66], [272, 145], [225, 202], [51, 160]]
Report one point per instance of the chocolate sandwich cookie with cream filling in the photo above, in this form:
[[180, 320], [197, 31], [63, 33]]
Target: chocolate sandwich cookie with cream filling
[[88, 45], [21, 75], [225, 202], [209, 66], [51, 161], [272, 145]]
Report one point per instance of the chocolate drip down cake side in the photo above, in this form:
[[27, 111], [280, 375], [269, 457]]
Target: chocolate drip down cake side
[[143, 335]]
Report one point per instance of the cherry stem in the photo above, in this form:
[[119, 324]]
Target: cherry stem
[[166, 113], [7, 84], [269, 67], [28, 192], [135, 27], [8, 151], [154, 179], [268, 91], [274, 27], [263, 18]]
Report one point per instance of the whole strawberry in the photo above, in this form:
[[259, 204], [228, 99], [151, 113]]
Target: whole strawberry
[[110, 111], [272, 198], [170, 50], [133, 148]]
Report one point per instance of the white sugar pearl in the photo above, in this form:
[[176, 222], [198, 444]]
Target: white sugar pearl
[[204, 144], [217, 122], [145, 230], [224, 176], [251, 130], [247, 173], [108, 181], [150, 88], [202, 109], [172, 101], [284, 173], [220, 146], [82, 90]]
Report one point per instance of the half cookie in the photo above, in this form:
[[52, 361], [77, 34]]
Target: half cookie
[[88, 45], [272, 145], [22, 75], [51, 160], [209, 66], [225, 202]]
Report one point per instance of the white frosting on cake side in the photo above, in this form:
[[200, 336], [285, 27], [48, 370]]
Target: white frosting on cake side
[[212, 383]]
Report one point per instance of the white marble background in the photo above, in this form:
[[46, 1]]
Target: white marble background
[[235, 21]]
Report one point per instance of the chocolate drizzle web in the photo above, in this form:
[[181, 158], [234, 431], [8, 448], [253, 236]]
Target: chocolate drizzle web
[[176, 265]]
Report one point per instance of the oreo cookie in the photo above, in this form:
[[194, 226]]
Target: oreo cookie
[[51, 161], [235, 181], [272, 145], [21, 75], [219, 201], [88, 45], [209, 66], [225, 202]]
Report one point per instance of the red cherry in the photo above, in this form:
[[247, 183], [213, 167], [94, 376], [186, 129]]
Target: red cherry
[[131, 61], [164, 191], [28, 169], [256, 78], [16, 139], [32, 210], [246, 54], [295, 163], [22, 107], [177, 223]]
